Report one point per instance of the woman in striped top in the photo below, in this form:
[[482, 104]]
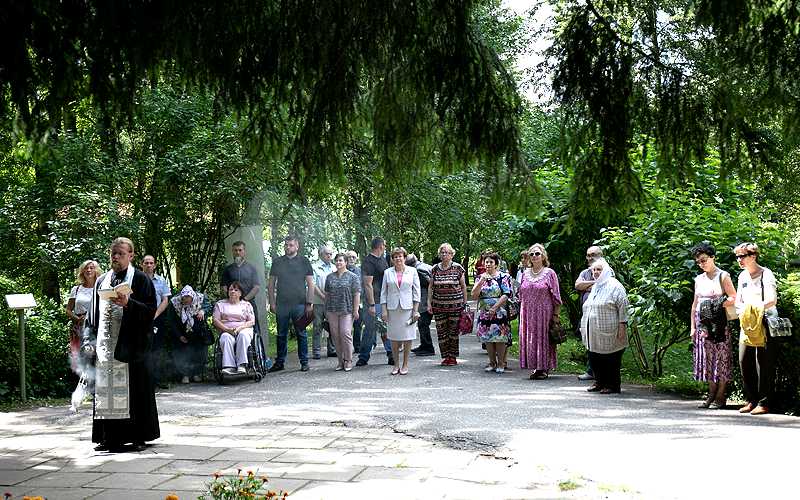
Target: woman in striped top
[[447, 296]]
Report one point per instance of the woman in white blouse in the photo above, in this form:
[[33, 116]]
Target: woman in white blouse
[[603, 328], [78, 304], [711, 349], [757, 287], [400, 294]]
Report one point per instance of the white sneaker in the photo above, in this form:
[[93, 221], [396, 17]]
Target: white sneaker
[[197, 378], [499, 370], [489, 368], [185, 380], [229, 371], [241, 369]]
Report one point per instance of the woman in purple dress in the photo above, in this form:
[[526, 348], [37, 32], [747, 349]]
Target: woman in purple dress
[[540, 303]]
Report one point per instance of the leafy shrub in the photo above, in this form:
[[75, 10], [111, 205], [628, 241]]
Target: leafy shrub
[[46, 344], [651, 255]]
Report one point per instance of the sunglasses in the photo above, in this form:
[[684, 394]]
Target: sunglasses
[[535, 254], [744, 255]]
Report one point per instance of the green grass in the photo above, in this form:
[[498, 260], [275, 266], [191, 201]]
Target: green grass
[[568, 485], [17, 404]]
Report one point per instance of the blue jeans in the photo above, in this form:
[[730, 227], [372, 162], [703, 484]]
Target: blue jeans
[[286, 315], [368, 335]]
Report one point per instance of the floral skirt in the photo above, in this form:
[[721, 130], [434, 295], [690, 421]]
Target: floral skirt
[[493, 329], [712, 360]]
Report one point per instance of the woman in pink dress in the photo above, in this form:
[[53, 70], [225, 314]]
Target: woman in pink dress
[[540, 302]]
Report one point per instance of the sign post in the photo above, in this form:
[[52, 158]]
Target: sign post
[[21, 302]]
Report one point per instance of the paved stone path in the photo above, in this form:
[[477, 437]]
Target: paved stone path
[[439, 432]]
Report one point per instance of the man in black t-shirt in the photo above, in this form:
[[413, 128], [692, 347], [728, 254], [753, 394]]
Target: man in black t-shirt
[[372, 269], [292, 276]]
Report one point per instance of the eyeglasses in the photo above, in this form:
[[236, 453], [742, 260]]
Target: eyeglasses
[[701, 262], [744, 255], [445, 252], [535, 254]]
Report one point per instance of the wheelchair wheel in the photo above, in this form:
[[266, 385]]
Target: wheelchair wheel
[[218, 376]]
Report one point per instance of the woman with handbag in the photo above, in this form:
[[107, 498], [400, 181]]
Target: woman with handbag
[[81, 334], [711, 339], [186, 321], [400, 297], [540, 303], [604, 327], [447, 297], [756, 293], [492, 290]]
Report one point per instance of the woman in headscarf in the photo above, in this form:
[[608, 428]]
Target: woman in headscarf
[[604, 327], [186, 319]]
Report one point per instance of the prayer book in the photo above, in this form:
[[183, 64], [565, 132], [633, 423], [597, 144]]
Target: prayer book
[[109, 293]]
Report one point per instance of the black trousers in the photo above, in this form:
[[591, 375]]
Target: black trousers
[[607, 369], [424, 326], [159, 350], [758, 372]]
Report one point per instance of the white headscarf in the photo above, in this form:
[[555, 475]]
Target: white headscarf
[[605, 277], [188, 311]]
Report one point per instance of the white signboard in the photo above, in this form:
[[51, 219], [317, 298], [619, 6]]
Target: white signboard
[[20, 301]]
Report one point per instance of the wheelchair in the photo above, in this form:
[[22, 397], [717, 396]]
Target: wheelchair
[[256, 361]]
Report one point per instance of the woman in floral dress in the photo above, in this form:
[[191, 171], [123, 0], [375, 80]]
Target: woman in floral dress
[[492, 290], [540, 303]]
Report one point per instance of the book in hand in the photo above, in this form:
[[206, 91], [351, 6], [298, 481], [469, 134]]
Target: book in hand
[[110, 293]]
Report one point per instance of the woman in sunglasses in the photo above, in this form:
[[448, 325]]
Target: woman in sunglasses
[[712, 349], [757, 292], [540, 302]]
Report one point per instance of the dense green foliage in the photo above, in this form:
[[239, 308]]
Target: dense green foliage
[[315, 68], [678, 77], [651, 254], [47, 359]]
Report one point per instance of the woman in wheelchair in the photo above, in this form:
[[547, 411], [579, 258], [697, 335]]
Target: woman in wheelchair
[[234, 319]]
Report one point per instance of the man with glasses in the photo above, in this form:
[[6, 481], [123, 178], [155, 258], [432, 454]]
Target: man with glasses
[[321, 271], [583, 285]]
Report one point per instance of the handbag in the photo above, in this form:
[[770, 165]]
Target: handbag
[[206, 336], [778, 327], [775, 326], [303, 321], [512, 300], [556, 332], [465, 321]]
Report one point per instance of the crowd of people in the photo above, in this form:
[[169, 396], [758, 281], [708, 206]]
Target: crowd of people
[[122, 319]]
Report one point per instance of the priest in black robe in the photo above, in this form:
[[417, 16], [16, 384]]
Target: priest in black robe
[[125, 413]]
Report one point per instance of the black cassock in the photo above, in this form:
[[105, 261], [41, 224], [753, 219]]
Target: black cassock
[[135, 333]]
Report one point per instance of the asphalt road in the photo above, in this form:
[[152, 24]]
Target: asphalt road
[[649, 444]]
